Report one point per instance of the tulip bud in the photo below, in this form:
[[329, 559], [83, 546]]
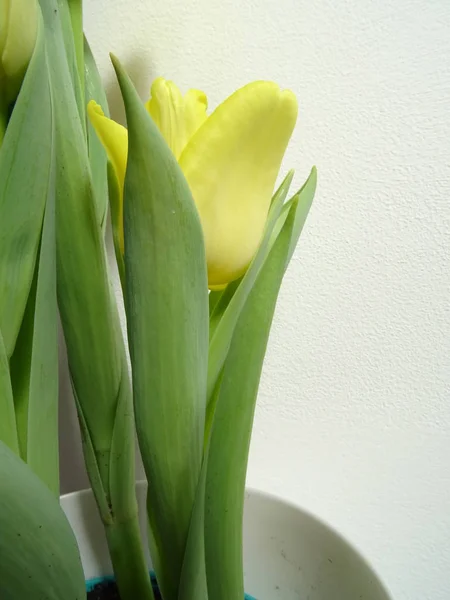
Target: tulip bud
[[18, 32]]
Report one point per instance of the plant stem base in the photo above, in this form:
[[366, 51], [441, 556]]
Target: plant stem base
[[107, 590]]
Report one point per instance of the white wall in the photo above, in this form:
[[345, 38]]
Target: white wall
[[354, 410]]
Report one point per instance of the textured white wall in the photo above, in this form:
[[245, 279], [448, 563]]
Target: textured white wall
[[353, 419]]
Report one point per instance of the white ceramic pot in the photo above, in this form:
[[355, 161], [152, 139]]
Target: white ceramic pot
[[288, 553]]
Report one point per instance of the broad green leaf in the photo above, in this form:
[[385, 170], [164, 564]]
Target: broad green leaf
[[95, 468], [25, 161], [122, 471], [76, 19], [39, 556], [193, 584], [8, 427], [125, 547], [232, 425], [166, 303], [84, 295], [34, 361], [123, 534], [63, 11], [34, 364], [228, 309], [97, 155], [20, 369], [95, 346]]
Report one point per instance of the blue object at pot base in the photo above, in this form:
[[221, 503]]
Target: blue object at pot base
[[93, 582]]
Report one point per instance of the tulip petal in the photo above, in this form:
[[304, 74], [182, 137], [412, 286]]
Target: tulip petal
[[177, 117], [166, 109], [114, 138], [231, 165], [18, 36], [195, 106]]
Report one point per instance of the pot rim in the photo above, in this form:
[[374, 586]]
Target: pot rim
[[259, 493]]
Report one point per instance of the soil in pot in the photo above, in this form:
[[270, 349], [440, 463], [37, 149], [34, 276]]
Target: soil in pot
[[107, 590]]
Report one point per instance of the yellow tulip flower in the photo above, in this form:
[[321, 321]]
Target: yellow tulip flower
[[230, 159], [18, 32]]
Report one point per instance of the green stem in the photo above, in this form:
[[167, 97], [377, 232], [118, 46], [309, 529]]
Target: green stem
[[130, 567]]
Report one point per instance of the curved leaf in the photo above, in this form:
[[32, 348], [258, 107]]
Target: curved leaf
[[39, 556], [228, 308], [97, 155], [166, 302], [232, 422], [25, 162], [95, 345], [34, 364]]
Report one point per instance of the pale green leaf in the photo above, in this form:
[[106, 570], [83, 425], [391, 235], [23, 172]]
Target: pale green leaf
[[39, 557], [84, 296], [25, 162], [232, 424], [34, 364], [76, 19], [97, 155], [167, 314], [95, 346], [62, 22], [20, 369], [193, 584], [228, 308]]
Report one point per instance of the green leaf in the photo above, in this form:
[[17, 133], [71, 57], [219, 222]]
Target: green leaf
[[115, 207], [76, 19], [84, 295], [34, 364], [25, 162], [67, 13], [166, 303], [305, 196], [220, 305], [219, 300], [97, 154], [39, 556], [232, 425], [95, 345], [8, 427], [213, 298], [229, 306], [193, 585], [20, 369]]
